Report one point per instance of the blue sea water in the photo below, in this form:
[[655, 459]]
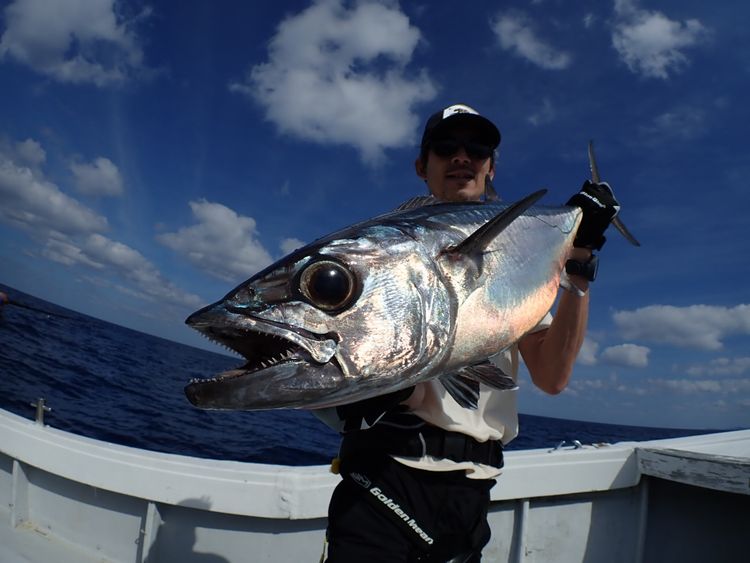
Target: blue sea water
[[114, 384]]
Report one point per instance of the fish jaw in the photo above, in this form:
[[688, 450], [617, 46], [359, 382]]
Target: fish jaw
[[235, 331], [283, 385], [285, 366]]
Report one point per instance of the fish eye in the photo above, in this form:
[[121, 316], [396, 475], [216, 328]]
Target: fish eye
[[328, 285]]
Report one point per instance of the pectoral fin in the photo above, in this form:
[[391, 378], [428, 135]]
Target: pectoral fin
[[463, 385], [464, 391], [491, 375]]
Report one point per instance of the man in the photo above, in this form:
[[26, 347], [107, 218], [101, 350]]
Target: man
[[418, 467]]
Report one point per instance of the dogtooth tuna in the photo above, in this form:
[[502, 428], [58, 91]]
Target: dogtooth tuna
[[429, 290]]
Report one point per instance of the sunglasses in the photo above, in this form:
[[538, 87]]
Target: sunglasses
[[448, 147]]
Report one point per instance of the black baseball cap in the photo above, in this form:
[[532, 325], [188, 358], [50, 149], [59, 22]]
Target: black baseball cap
[[455, 115]]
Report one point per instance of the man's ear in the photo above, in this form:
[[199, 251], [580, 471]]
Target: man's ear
[[420, 168]]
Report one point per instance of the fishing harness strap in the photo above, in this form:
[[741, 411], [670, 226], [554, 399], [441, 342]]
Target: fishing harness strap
[[403, 434]]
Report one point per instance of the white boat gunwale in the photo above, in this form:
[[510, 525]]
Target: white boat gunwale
[[46, 473]]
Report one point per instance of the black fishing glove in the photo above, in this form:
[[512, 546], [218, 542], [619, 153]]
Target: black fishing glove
[[599, 208]]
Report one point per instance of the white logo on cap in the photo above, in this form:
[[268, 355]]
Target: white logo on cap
[[458, 108]]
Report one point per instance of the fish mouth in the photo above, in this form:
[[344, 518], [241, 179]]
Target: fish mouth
[[260, 350], [278, 360]]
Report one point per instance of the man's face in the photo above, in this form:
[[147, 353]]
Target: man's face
[[460, 175]]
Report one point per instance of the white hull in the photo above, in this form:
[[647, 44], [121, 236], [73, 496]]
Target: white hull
[[66, 498]]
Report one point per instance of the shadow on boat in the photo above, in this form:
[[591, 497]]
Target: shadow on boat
[[176, 538]]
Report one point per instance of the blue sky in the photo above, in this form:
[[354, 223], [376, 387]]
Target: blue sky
[[153, 154]]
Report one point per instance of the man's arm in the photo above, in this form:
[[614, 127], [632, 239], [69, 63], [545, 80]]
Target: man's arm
[[551, 353]]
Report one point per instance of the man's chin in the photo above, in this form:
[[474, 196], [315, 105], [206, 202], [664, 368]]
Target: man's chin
[[468, 191]]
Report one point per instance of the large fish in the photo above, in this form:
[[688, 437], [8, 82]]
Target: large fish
[[429, 290]]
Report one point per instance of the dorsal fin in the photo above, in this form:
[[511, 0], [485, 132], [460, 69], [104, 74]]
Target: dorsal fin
[[483, 236], [418, 201]]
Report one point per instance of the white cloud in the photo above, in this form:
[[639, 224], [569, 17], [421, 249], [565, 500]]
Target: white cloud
[[587, 354], [112, 257], [581, 384], [650, 43], [697, 326], [544, 114], [653, 387], [336, 75], [100, 177], [222, 243], [31, 153], [77, 41], [515, 32], [721, 366], [605, 386], [628, 355], [63, 250], [289, 245], [70, 233], [689, 386], [682, 123], [120, 255], [31, 202], [130, 264]]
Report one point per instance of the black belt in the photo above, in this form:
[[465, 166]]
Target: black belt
[[423, 440]]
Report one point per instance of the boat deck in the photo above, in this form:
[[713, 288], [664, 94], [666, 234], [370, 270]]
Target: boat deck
[[67, 498]]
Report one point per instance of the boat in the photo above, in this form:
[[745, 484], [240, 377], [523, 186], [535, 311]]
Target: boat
[[72, 499]]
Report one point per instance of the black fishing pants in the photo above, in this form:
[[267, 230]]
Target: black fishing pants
[[385, 511]]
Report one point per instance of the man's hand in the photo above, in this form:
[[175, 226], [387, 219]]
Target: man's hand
[[599, 208]]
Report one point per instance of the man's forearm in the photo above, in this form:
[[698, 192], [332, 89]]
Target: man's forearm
[[551, 354]]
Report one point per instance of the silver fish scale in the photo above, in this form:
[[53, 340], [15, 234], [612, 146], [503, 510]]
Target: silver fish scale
[[519, 275]]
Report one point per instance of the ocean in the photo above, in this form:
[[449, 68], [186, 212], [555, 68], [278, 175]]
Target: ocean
[[118, 385]]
